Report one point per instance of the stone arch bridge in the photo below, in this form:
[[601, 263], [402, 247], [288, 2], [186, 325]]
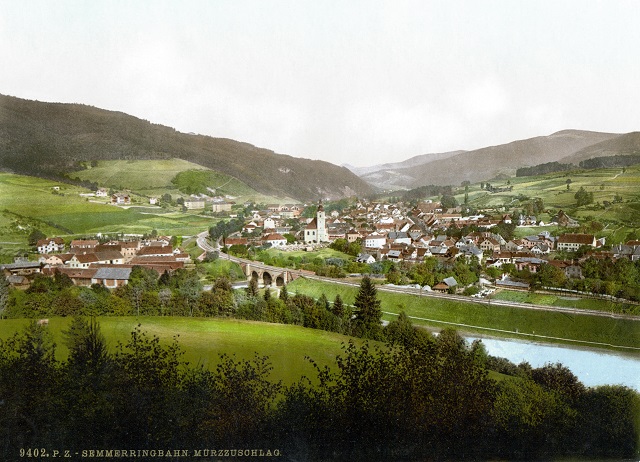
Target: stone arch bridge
[[269, 275]]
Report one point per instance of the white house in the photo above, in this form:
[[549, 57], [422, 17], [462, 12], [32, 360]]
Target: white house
[[375, 241]]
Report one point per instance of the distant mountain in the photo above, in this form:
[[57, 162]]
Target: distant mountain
[[626, 144], [50, 139], [388, 176], [490, 162]]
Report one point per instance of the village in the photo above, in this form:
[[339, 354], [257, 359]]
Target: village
[[369, 231]]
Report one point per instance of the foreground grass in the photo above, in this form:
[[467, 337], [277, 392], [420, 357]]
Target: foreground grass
[[203, 339], [597, 331]]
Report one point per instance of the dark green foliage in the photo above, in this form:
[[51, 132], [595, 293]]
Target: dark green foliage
[[428, 400], [35, 236], [543, 169], [448, 201], [611, 161], [421, 193], [368, 314], [583, 197]]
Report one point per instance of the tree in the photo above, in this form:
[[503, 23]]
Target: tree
[[448, 201], [338, 306], [284, 295], [35, 236], [367, 322], [583, 197], [252, 288]]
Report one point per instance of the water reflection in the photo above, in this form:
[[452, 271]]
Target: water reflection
[[592, 367]]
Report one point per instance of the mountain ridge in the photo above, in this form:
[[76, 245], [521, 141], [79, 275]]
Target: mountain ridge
[[49, 139], [492, 161]]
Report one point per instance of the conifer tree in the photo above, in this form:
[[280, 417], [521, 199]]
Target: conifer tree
[[338, 306], [284, 295], [368, 313]]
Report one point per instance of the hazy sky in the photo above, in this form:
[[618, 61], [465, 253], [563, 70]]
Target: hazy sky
[[360, 82]]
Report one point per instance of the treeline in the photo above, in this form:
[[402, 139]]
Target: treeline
[[611, 161], [418, 194], [542, 169], [422, 398]]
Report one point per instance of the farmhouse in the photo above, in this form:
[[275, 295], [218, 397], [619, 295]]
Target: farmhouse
[[120, 199]]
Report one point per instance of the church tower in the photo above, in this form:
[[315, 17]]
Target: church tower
[[320, 221]]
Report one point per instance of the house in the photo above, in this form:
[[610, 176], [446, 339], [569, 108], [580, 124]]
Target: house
[[269, 223], [399, 237], [82, 260], [153, 200], [375, 241], [275, 239], [445, 285], [55, 260], [156, 251], [120, 199], [50, 245], [489, 245], [223, 206], [572, 242], [570, 268], [193, 203], [81, 245], [365, 258], [102, 192]]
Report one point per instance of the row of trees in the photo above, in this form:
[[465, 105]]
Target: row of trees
[[421, 398]]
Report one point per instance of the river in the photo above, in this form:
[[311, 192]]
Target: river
[[592, 367]]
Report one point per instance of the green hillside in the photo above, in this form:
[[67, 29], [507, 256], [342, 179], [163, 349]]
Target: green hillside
[[203, 339], [29, 203], [615, 206], [52, 140], [137, 175]]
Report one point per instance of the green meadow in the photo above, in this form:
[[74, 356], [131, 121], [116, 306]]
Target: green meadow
[[438, 313], [618, 218], [204, 339], [171, 176]]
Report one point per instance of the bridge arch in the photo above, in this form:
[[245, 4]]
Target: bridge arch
[[279, 281], [267, 279]]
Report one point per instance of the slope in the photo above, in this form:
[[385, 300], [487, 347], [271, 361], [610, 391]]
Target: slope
[[491, 162], [50, 139], [626, 144]]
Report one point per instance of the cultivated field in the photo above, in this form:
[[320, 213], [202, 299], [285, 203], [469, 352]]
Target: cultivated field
[[619, 218]]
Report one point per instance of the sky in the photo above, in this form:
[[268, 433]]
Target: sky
[[357, 82]]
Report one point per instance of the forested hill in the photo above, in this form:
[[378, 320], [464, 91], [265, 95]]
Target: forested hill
[[50, 139]]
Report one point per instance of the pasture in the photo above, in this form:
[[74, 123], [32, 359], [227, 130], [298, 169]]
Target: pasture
[[204, 339]]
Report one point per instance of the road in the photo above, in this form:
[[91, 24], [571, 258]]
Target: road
[[204, 245]]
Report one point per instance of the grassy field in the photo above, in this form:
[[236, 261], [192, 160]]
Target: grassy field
[[619, 218], [517, 322], [154, 178], [28, 203], [203, 339], [137, 175]]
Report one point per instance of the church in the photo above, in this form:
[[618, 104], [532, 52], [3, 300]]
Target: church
[[316, 230]]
